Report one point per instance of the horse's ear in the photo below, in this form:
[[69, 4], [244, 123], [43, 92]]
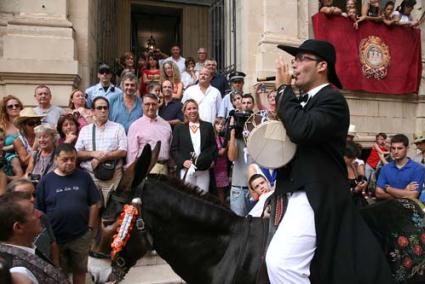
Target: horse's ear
[[155, 155], [142, 165]]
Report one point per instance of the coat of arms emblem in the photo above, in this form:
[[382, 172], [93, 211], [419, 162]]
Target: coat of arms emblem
[[374, 57]]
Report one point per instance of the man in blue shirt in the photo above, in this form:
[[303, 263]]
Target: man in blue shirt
[[402, 177], [127, 107], [104, 88]]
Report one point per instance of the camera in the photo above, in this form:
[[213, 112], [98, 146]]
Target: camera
[[240, 117]]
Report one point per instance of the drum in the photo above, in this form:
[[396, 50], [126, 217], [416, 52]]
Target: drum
[[267, 142]]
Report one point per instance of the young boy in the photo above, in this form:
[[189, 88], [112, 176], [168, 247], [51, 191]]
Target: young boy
[[260, 190]]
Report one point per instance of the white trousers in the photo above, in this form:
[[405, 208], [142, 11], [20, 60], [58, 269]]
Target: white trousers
[[293, 245], [199, 178]]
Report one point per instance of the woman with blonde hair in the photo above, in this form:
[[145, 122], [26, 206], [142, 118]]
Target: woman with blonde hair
[[170, 71], [193, 147]]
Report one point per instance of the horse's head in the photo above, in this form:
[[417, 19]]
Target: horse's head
[[100, 258], [133, 175]]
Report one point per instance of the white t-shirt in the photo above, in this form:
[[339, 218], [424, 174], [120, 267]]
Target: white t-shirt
[[209, 103], [257, 210]]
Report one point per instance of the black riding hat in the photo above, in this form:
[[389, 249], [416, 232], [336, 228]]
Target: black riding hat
[[322, 49]]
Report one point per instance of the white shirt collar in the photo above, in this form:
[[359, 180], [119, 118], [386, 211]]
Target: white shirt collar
[[313, 92]]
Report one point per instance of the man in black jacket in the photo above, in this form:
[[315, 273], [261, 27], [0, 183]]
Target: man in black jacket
[[321, 238]]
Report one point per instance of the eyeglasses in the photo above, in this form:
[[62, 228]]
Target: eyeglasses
[[104, 72], [33, 123], [303, 57], [13, 106], [101, 108]]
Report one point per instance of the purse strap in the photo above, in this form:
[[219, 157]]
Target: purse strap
[[94, 137]]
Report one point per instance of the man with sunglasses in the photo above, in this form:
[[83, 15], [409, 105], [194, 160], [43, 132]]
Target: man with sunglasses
[[110, 143], [104, 88], [321, 237]]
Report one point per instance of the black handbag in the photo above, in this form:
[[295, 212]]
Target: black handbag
[[105, 170]]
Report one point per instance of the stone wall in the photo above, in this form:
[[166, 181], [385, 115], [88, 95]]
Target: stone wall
[[38, 46]]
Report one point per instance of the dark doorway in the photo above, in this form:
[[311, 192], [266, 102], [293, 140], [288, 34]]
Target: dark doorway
[[160, 24]]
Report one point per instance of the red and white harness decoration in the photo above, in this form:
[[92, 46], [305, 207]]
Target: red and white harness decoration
[[126, 223]]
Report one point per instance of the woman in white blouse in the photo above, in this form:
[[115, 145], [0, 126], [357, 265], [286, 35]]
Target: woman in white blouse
[[193, 147]]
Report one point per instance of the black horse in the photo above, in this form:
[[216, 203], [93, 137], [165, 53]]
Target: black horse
[[205, 242]]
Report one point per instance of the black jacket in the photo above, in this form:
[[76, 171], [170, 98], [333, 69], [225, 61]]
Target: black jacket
[[346, 250], [181, 146]]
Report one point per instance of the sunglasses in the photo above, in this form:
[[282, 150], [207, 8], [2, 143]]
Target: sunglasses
[[33, 122], [13, 106], [104, 72], [101, 108]]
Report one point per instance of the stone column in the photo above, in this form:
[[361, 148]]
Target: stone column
[[38, 47]]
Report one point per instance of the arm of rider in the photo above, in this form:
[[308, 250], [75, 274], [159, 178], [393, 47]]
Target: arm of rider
[[232, 153]]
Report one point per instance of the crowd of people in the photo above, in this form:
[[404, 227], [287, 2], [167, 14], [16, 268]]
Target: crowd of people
[[66, 162], [372, 10]]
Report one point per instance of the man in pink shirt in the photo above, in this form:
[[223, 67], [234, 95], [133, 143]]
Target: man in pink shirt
[[149, 129]]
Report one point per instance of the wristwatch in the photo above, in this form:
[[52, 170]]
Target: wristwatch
[[386, 187]]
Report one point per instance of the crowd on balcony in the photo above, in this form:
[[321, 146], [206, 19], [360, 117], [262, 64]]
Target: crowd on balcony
[[372, 10]]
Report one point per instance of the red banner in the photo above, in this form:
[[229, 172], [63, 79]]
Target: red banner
[[375, 58]]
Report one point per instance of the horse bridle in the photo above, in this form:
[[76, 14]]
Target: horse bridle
[[119, 264]]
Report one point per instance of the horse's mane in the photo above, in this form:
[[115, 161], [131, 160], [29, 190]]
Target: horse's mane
[[191, 190]]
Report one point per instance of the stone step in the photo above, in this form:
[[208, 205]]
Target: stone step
[[151, 269], [151, 258], [152, 274]]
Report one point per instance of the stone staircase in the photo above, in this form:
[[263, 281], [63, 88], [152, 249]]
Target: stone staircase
[[151, 269]]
